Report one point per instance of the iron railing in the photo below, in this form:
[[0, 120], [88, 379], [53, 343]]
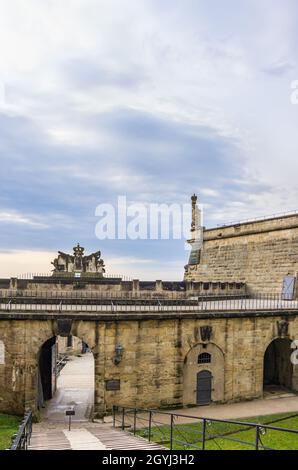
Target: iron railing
[[184, 432], [264, 302], [21, 440], [32, 276], [259, 219], [61, 362]]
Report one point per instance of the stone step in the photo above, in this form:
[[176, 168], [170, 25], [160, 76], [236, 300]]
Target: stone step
[[86, 437]]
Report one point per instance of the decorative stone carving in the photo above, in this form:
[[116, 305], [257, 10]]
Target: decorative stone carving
[[194, 199], [283, 328], [78, 262], [64, 327], [196, 240], [206, 333]]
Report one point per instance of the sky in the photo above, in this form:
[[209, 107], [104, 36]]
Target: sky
[[149, 99]]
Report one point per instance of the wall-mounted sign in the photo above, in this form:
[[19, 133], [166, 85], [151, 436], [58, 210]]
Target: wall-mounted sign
[[112, 385], [194, 257], [288, 288]]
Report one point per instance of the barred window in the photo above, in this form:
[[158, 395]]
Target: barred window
[[204, 358]]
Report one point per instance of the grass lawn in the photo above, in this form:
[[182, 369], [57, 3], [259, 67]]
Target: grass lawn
[[224, 436], [9, 425]]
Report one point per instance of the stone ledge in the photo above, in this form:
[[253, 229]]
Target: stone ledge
[[145, 315]]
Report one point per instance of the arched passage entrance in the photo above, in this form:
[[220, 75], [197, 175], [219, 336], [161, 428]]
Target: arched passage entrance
[[65, 379], [278, 368], [203, 375]]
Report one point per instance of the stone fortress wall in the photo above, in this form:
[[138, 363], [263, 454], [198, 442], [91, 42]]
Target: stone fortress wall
[[159, 365], [259, 253]]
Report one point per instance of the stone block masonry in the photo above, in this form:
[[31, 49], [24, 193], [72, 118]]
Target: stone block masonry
[[159, 367], [259, 254]]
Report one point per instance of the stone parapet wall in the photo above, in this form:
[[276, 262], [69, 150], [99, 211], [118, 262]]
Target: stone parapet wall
[[123, 290], [259, 254], [287, 222]]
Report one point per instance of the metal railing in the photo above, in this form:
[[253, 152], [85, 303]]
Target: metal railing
[[184, 432], [259, 219], [31, 276], [61, 362], [21, 440], [264, 302]]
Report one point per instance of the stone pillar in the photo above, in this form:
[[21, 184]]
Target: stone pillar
[[99, 368], [158, 286], [135, 287], [189, 288], [31, 385], [295, 378]]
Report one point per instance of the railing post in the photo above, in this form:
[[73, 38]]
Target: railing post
[[150, 425], [204, 434], [257, 437], [30, 427], [123, 419], [114, 416], [134, 421], [171, 432]]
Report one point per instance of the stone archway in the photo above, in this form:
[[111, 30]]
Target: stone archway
[[207, 358], [278, 368], [66, 378]]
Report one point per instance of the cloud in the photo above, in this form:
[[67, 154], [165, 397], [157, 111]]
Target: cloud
[[279, 68], [8, 217], [152, 100]]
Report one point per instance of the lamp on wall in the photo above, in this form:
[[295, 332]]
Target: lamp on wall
[[119, 350]]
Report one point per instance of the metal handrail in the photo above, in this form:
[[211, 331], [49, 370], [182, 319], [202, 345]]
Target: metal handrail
[[260, 302], [21, 440], [201, 435], [259, 219]]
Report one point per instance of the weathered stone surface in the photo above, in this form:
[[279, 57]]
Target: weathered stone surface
[[159, 363], [259, 254]]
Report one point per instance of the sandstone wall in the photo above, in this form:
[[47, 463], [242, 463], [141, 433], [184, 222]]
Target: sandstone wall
[[259, 254], [158, 367]]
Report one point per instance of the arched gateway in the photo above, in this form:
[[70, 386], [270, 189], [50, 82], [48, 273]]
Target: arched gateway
[[278, 367], [147, 358], [203, 375], [65, 377]]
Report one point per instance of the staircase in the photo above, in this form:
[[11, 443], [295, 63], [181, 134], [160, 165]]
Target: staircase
[[88, 436]]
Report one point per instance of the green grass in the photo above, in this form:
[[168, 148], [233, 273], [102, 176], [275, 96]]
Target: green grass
[[9, 425], [219, 436]]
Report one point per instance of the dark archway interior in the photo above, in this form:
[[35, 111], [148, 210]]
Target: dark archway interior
[[278, 369], [47, 369]]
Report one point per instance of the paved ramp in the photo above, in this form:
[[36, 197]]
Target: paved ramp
[[75, 388]]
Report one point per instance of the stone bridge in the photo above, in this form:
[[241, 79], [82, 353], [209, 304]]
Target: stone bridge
[[152, 355]]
